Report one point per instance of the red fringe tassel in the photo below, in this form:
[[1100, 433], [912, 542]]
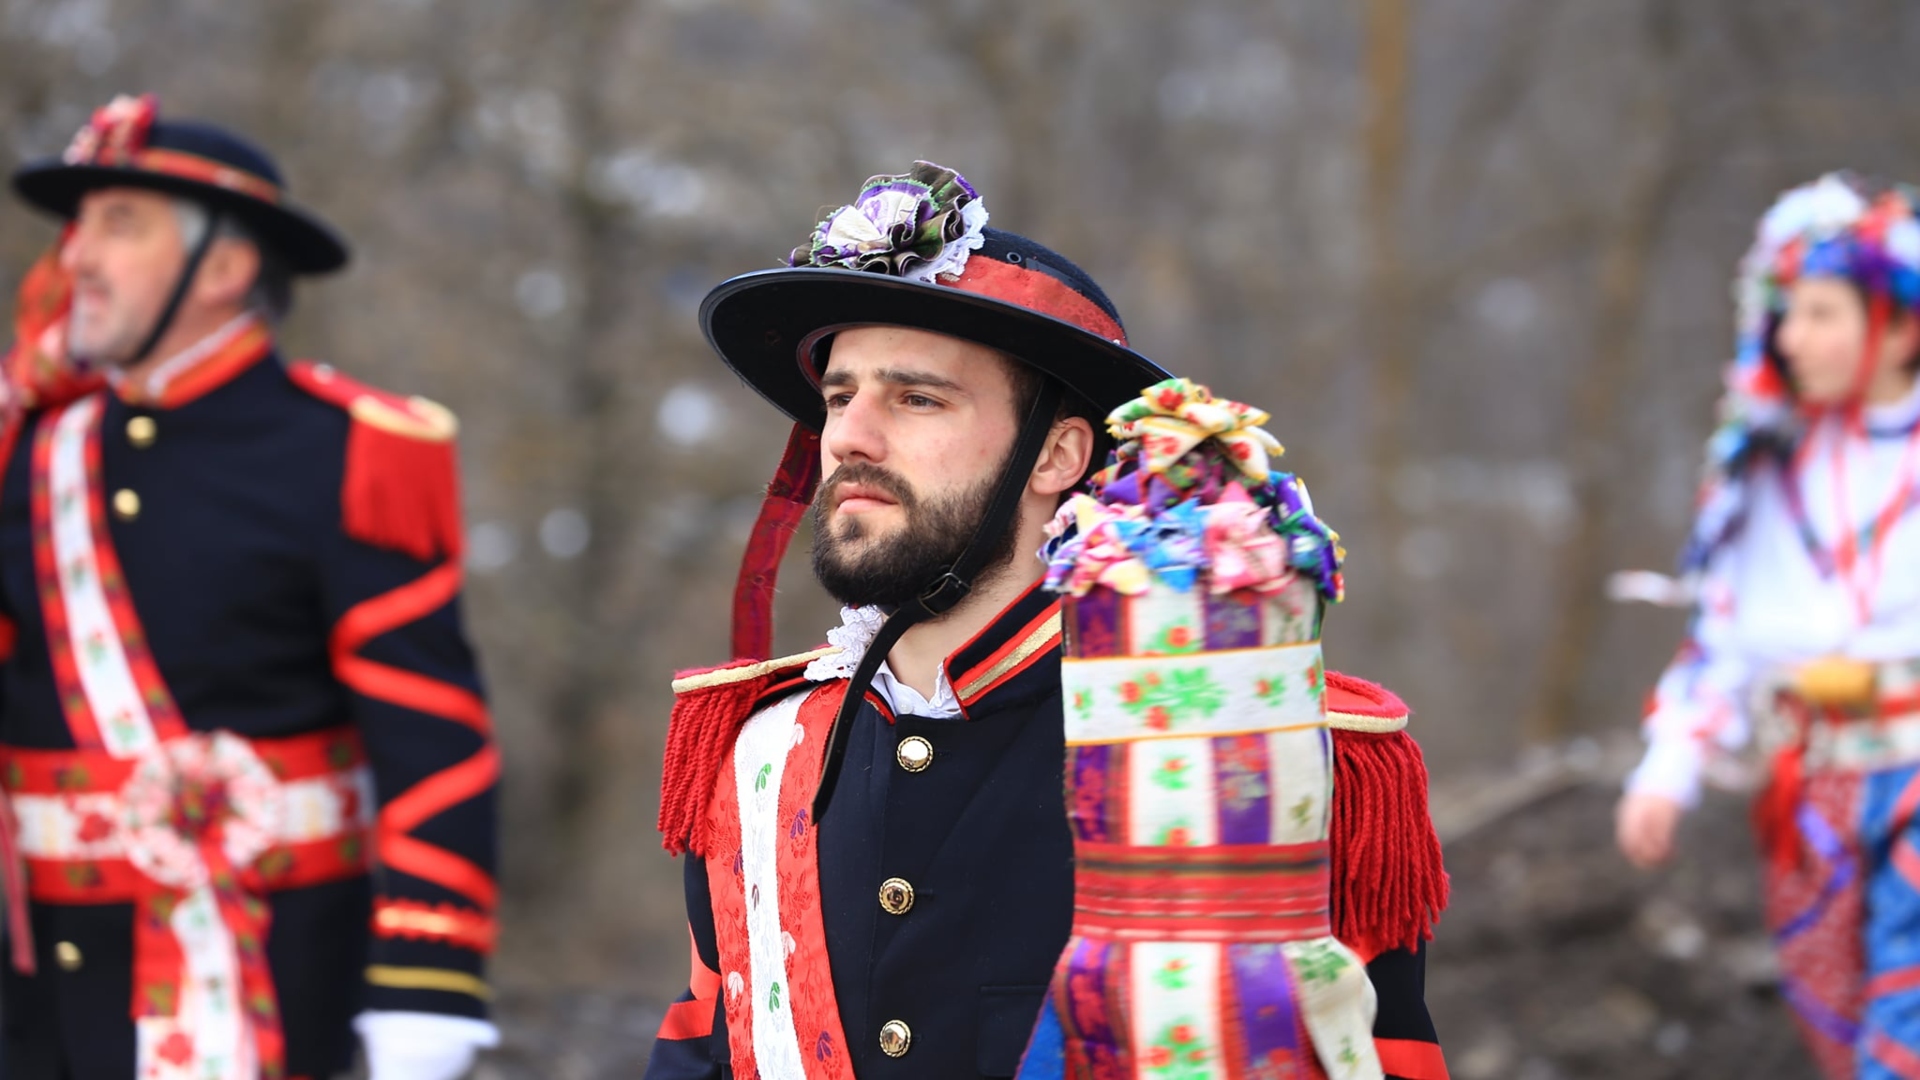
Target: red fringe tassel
[[705, 724], [1389, 884]]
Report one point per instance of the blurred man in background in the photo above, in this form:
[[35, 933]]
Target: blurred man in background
[[1807, 565], [234, 676]]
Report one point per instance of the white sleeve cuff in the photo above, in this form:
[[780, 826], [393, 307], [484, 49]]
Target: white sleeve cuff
[[1671, 768], [422, 1045]]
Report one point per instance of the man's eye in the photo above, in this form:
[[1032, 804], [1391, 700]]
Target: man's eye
[[919, 401], [838, 401]]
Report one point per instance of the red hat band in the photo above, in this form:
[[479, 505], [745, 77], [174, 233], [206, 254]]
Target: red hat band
[[117, 137], [1036, 290]]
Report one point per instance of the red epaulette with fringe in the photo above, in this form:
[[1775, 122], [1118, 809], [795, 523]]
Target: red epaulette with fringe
[[710, 706], [402, 489], [1389, 884]]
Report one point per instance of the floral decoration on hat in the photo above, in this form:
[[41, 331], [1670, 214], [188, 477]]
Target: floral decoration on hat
[[1190, 495], [918, 225], [117, 131]]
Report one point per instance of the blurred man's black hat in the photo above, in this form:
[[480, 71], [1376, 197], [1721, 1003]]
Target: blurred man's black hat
[[126, 144]]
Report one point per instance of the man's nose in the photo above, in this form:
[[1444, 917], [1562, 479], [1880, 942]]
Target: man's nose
[[76, 252], [857, 431]]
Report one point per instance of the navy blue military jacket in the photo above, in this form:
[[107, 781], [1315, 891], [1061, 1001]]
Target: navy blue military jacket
[[240, 570], [982, 836]]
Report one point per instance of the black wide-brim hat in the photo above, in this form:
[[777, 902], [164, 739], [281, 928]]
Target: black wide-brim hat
[[1013, 295], [193, 160]]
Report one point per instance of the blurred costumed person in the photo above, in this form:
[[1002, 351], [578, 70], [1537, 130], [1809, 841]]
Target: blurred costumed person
[[1251, 839], [1804, 562], [879, 867], [248, 770]]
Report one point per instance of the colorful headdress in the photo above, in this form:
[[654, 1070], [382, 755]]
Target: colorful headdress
[[1840, 225], [1191, 492]]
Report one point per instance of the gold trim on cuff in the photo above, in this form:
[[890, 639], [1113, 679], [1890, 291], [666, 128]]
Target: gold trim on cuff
[[423, 978]]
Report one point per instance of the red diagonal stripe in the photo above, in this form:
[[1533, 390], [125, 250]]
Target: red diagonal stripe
[[1897, 981], [1895, 1056]]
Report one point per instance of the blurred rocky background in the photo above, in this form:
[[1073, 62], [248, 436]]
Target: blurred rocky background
[[1472, 254]]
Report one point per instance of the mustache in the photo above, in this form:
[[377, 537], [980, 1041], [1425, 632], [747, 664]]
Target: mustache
[[92, 283], [871, 475]]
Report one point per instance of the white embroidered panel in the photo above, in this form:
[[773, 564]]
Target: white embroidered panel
[[1172, 794], [1338, 1005], [1176, 1009], [98, 654], [88, 826], [1165, 621], [759, 762], [209, 1015], [1232, 692], [1300, 763]]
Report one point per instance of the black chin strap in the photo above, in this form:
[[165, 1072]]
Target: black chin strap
[[947, 590], [179, 296]]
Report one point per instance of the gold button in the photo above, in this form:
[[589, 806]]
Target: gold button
[[67, 955], [126, 504], [895, 1037], [896, 896], [141, 431], [914, 754]]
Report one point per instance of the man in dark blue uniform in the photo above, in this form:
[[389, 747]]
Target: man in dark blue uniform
[[879, 874], [249, 773]]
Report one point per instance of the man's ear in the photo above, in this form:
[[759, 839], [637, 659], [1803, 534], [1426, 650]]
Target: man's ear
[[227, 273], [1064, 459]]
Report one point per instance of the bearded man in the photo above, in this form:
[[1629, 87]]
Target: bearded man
[[233, 680], [880, 872]]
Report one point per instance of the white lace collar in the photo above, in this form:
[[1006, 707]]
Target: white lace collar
[[857, 629]]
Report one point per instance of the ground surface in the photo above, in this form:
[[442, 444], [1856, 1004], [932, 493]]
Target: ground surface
[[1559, 962]]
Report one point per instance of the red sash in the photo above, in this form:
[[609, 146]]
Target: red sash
[[763, 868], [192, 827]]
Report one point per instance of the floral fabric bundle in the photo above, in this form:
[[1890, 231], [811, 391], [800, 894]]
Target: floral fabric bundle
[[1191, 488], [1199, 763]]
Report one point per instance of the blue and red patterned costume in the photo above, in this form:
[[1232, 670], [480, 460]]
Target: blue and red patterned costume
[[1805, 562]]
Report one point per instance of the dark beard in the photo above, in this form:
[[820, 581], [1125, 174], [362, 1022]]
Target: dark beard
[[936, 533]]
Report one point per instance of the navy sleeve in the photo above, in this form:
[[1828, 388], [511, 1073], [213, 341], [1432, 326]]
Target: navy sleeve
[[692, 1044], [1402, 1031], [399, 649]]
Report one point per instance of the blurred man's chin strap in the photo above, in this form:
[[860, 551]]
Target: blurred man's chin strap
[[188, 271]]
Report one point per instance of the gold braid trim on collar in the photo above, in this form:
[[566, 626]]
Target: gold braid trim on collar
[[729, 675]]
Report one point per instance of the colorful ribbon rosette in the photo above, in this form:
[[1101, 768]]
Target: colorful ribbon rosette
[[1199, 763]]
